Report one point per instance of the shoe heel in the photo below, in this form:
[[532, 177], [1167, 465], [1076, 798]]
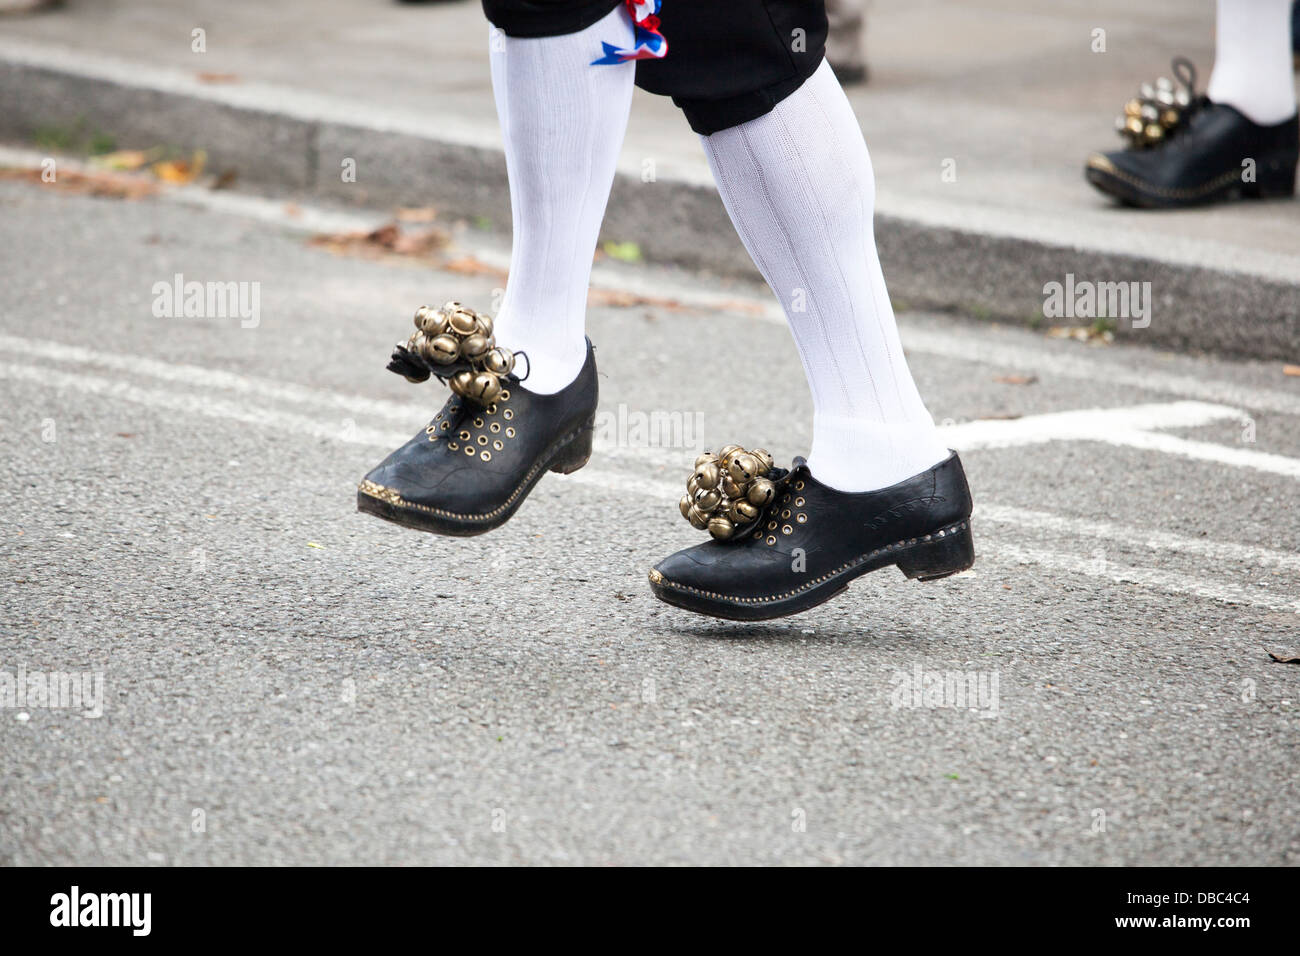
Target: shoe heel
[[576, 453], [939, 557], [1274, 177]]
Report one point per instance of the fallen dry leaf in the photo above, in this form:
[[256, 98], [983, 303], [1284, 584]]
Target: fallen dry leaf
[[1293, 659], [205, 77], [125, 160], [1016, 379], [1291, 369], [105, 185], [622, 299], [471, 266], [388, 240], [181, 170], [225, 180], [1081, 333]]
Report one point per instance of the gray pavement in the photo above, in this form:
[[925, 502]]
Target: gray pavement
[[287, 681], [1010, 96]]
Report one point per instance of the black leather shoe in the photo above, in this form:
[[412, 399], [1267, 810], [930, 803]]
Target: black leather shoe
[[475, 463], [1215, 153], [811, 541]]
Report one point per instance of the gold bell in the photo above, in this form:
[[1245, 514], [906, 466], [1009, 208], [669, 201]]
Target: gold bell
[[474, 346], [461, 382], [462, 321], [430, 321], [706, 499], [729, 450], [697, 520], [484, 325], [1155, 132], [484, 388], [692, 485], [432, 350], [443, 349], [765, 461], [761, 492], [685, 506], [499, 360], [707, 475], [704, 458], [744, 511], [1133, 108], [743, 468], [721, 528], [731, 489]]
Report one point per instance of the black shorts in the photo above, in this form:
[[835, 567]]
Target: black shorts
[[728, 61]]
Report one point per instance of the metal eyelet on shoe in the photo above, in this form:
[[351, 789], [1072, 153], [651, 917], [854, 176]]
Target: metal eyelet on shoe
[[505, 394], [494, 427], [798, 486], [771, 540], [464, 435], [798, 502], [445, 425], [771, 526], [508, 414], [785, 513], [453, 446], [786, 529], [478, 423], [510, 433], [469, 450], [801, 518], [498, 445], [482, 439], [486, 456]]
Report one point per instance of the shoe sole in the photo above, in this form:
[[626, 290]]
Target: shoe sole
[[927, 558], [565, 456], [1276, 181]]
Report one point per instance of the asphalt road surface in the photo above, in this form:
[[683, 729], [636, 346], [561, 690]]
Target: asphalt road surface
[[284, 680]]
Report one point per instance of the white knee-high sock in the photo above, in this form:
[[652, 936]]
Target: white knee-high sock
[[563, 121], [1252, 59], [798, 185]]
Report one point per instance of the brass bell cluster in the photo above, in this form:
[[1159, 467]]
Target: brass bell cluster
[[456, 344], [728, 492], [1157, 110]]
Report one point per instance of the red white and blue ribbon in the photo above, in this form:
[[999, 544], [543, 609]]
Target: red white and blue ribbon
[[649, 43]]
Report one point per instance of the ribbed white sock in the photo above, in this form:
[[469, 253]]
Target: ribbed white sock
[[798, 185], [563, 121], [1252, 59]]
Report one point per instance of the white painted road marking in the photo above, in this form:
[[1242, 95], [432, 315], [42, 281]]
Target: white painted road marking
[[1055, 426]]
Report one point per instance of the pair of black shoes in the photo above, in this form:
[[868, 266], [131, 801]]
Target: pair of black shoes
[[1186, 150], [794, 543]]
